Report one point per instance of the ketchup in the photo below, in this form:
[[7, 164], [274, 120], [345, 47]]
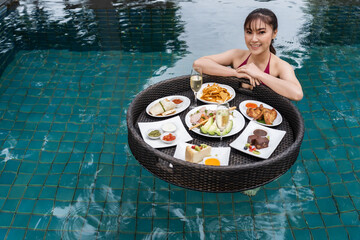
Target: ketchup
[[251, 105], [177, 101]]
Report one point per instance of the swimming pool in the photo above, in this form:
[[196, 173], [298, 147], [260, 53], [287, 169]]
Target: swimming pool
[[69, 71]]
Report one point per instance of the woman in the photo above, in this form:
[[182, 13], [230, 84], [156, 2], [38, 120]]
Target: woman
[[259, 64]]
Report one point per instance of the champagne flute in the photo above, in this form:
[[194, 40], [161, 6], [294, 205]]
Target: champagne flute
[[222, 118], [196, 81]]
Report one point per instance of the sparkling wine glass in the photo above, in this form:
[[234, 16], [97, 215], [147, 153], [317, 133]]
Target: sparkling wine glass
[[196, 81], [222, 118]]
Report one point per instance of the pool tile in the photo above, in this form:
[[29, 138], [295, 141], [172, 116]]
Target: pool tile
[[337, 233], [354, 188], [350, 218], [21, 220], [16, 233], [43, 206], [331, 220], [322, 192], [302, 234], [6, 219], [326, 205]]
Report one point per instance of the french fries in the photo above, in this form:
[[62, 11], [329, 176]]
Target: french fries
[[215, 93]]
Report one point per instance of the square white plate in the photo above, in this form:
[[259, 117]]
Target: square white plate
[[223, 153], [275, 138], [182, 134]]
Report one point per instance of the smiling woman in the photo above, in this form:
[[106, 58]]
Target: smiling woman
[[259, 63]]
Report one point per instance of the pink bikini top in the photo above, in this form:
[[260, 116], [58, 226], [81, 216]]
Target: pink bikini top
[[267, 69]]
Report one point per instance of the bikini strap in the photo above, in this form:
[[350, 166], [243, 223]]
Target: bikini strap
[[267, 69], [245, 62]]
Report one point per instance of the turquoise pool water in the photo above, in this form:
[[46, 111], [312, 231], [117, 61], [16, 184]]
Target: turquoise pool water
[[70, 70]]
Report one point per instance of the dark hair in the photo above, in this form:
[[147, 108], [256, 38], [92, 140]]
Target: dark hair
[[265, 15]]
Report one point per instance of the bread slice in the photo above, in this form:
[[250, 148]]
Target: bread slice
[[197, 155]]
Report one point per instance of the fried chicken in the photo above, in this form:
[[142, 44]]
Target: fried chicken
[[254, 112], [269, 115], [260, 113]]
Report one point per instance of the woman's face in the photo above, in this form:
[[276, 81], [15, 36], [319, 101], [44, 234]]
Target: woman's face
[[258, 36]]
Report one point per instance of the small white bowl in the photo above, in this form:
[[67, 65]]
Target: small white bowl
[[179, 104], [165, 134], [169, 127], [153, 138]]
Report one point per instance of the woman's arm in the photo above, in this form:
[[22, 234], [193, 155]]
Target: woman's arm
[[218, 64], [286, 84]]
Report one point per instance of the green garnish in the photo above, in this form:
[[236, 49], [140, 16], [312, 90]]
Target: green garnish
[[261, 121], [162, 106], [256, 152]]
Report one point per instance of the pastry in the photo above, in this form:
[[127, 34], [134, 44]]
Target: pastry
[[196, 154]]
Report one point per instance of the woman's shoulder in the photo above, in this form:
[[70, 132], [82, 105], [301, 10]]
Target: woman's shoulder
[[239, 56], [280, 64], [239, 52]]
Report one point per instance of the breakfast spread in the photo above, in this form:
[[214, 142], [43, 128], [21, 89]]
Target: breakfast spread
[[162, 108], [262, 114], [196, 154]]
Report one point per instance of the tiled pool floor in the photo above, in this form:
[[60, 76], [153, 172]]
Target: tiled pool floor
[[66, 170]]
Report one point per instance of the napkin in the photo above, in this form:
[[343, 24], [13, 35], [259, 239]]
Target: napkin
[[182, 134]]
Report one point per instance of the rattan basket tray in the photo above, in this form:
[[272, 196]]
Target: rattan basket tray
[[244, 171]]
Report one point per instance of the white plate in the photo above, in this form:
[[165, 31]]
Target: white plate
[[182, 134], [243, 109], [228, 88], [222, 153], [238, 121], [274, 134], [185, 104]]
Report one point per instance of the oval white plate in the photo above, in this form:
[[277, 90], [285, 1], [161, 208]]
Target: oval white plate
[[185, 104], [228, 88], [238, 122], [243, 109]]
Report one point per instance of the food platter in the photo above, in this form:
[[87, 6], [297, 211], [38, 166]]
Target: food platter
[[243, 108], [275, 137], [238, 121], [228, 88], [177, 109]]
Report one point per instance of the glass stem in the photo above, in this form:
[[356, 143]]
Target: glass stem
[[195, 94]]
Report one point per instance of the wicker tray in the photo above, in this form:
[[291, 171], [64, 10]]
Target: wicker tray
[[244, 171]]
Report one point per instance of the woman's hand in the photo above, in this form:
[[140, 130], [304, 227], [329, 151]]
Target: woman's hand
[[250, 71]]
